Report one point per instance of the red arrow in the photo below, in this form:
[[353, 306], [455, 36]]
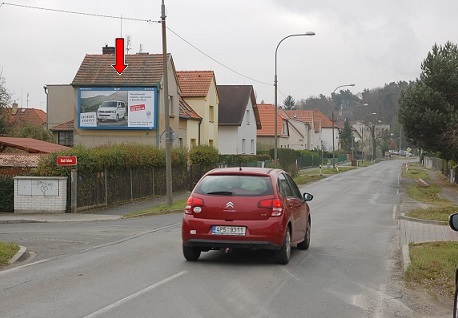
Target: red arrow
[[119, 66]]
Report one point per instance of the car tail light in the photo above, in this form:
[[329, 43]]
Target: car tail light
[[193, 205], [274, 205]]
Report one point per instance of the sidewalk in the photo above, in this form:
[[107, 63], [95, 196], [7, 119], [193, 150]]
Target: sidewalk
[[417, 231], [101, 214]]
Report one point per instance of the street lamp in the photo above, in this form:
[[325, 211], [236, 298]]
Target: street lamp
[[362, 136], [332, 113], [310, 33]]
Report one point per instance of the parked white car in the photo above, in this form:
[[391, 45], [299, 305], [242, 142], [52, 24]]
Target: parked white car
[[112, 110]]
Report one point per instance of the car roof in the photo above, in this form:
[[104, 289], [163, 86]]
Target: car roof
[[244, 171]]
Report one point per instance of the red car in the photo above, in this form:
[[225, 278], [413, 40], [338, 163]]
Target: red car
[[251, 208]]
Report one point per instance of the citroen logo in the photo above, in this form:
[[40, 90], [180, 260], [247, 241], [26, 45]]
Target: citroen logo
[[229, 205]]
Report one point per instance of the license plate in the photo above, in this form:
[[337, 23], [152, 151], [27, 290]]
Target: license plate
[[229, 230]]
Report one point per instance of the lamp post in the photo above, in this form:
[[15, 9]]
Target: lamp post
[[310, 33], [332, 115], [362, 136]]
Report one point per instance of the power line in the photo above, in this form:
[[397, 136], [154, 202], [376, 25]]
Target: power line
[[77, 12], [205, 54], [132, 19]]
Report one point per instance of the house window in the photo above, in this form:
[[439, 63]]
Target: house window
[[247, 116], [210, 142], [243, 145], [193, 143], [211, 115], [285, 128], [180, 142], [171, 109], [65, 138], [252, 146]]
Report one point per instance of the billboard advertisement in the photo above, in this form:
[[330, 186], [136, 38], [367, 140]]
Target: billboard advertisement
[[117, 108]]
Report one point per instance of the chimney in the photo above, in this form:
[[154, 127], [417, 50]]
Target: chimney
[[108, 49]]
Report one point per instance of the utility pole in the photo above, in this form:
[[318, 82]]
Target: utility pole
[[168, 152]]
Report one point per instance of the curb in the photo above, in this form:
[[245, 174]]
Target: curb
[[408, 218], [19, 255], [405, 256]]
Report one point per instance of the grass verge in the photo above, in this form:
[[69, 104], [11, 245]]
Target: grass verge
[[7, 251], [176, 207], [433, 213], [433, 266]]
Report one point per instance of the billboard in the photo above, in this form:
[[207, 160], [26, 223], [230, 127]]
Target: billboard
[[117, 108]]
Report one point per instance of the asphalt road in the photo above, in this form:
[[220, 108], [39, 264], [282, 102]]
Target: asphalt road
[[135, 268]]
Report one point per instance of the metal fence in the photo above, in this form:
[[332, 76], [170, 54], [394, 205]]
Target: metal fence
[[117, 186], [440, 165]]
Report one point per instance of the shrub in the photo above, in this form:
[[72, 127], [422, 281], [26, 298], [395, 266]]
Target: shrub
[[7, 194], [204, 155], [114, 157]]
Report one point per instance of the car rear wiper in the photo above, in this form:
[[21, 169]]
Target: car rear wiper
[[221, 193]]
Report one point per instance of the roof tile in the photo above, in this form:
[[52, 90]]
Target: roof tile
[[143, 70], [195, 83]]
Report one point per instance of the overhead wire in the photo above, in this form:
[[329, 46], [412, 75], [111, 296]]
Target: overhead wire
[[132, 19]]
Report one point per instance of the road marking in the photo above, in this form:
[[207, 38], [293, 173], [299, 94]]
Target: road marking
[[22, 266], [130, 297]]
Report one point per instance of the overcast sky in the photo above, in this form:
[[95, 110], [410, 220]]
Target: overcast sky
[[368, 43]]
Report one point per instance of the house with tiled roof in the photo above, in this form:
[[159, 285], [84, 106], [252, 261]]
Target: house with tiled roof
[[238, 119], [199, 90], [266, 135], [321, 128], [19, 117], [137, 94]]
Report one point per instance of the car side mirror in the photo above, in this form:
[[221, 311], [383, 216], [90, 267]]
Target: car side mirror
[[453, 221], [307, 196]]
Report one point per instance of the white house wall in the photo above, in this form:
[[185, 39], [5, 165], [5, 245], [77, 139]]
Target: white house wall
[[227, 140]]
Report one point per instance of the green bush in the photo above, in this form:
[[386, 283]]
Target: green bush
[[113, 157], [237, 160], [7, 194], [204, 155]]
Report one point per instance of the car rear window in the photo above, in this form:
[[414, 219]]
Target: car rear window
[[238, 185]]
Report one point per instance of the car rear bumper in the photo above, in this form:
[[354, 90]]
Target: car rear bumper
[[260, 234], [218, 244]]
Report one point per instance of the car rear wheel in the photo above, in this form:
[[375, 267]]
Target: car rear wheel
[[283, 254], [304, 245], [191, 253]]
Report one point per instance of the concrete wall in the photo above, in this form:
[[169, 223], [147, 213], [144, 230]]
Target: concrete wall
[[40, 194]]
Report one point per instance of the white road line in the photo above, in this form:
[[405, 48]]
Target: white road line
[[22, 266], [130, 297]]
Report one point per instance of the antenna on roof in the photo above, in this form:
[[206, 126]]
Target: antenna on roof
[[128, 44]]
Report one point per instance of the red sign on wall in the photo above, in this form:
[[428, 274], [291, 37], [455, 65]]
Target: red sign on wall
[[66, 160]]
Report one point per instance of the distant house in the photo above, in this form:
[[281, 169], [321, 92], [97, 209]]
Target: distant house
[[320, 128], [138, 93], [266, 134], [20, 117], [238, 119], [198, 89]]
